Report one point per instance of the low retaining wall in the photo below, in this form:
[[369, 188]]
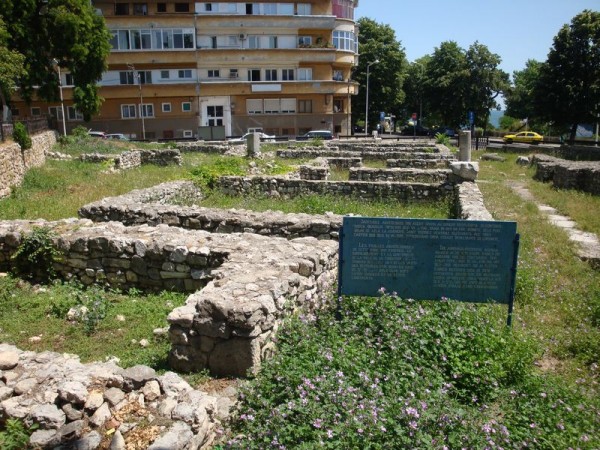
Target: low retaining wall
[[253, 281], [151, 206], [469, 204], [284, 187], [418, 163], [313, 172], [578, 153], [364, 154], [136, 158], [402, 175], [344, 163], [15, 162], [565, 174]]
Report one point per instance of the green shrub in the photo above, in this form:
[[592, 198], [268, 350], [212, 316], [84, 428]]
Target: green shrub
[[21, 136], [207, 176], [36, 255], [442, 138], [16, 435]]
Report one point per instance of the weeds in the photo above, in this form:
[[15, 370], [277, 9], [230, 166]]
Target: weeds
[[35, 256], [16, 435]]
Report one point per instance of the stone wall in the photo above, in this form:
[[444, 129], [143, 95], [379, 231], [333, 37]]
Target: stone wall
[[344, 163], [313, 172], [75, 404], [578, 152], [402, 175], [15, 162], [203, 147], [250, 281], [135, 158], [565, 174], [151, 206], [364, 154], [432, 163], [284, 187], [469, 204]]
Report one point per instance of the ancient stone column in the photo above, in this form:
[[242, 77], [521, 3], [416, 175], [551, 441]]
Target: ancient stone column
[[253, 145], [464, 146]]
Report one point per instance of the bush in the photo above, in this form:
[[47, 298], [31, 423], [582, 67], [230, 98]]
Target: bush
[[442, 138], [21, 136], [35, 256], [207, 176]]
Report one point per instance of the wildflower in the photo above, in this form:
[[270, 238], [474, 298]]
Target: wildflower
[[543, 395], [381, 290], [413, 425], [560, 426], [412, 412], [585, 438], [330, 434], [318, 423]]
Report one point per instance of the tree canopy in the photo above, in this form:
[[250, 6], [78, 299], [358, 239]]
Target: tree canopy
[[11, 68], [378, 42], [68, 31], [567, 91]]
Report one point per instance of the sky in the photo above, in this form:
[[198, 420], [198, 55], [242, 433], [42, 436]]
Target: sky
[[516, 30]]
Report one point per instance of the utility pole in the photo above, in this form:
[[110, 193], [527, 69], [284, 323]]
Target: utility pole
[[142, 111]]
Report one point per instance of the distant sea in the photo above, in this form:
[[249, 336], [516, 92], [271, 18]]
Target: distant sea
[[495, 117]]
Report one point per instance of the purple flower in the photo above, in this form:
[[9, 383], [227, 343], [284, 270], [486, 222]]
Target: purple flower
[[318, 423]]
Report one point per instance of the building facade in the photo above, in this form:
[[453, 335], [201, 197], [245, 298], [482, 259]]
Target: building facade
[[181, 69]]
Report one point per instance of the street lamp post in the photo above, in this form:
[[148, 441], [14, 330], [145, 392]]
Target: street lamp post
[[367, 97], [62, 103], [139, 82]]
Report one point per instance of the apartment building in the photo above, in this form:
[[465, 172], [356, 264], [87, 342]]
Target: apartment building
[[215, 69]]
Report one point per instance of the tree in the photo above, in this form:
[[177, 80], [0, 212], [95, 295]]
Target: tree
[[459, 81], [11, 70], [378, 42], [520, 97], [68, 31], [568, 88], [414, 87]]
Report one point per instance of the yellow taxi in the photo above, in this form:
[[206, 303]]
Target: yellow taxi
[[527, 137]]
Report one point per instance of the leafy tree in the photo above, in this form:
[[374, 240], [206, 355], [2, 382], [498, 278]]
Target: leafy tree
[[446, 77], [568, 88], [520, 97], [378, 42], [68, 31], [11, 69], [458, 81], [414, 87]]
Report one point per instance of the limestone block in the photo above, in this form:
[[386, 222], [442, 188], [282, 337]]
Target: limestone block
[[466, 170]]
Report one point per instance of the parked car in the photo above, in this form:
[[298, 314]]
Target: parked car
[[242, 140], [419, 130], [527, 137], [318, 134], [444, 130], [98, 134], [117, 136]]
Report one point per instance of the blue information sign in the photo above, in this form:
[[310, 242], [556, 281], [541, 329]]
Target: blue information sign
[[473, 261], [471, 117]]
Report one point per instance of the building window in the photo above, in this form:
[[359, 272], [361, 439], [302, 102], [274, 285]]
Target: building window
[[305, 106], [213, 42], [304, 74], [127, 111], [14, 112], [165, 74], [232, 8], [286, 9], [253, 74], [272, 106], [338, 105], [270, 9], [54, 111], [184, 73], [166, 107], [145, 77], [208, 7], [304, 9], [126, 78], [121, 9], [140, 9], [147, 110], [288, 105], [287, 74], [186, 106], [253, 42], [304, 41], [69, 80], [161, 7], [338, 75], [343, 9], [344, 40], [254, 106], [214, 73], [273, 42], [233, 73], [251, 8], [35, 111], [215, 116], [182, 7], [73, 114], [188, 133], [270, 74]]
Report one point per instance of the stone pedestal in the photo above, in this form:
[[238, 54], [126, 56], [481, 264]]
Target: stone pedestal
[[464, 145], [253, 145]]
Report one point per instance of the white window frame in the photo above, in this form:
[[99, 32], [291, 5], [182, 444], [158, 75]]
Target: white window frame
[[272, 106], [55, 111], [271, 75], [304, 9], [182, 74], [288, 75], [73, 115], [166, 107], [304, 74], [186, 106], [214, 73], [147, 110], [188, 133], [131, 111], [288, 106], [304, 41], [165, 74]]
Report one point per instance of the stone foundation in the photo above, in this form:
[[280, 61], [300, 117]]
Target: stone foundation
[[15, 162], [564, 174], [382, 155], [431, 163], [250, 281], [135, 158], [400, 175]]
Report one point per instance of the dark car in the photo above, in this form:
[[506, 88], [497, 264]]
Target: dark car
[[444, 130], [419, 130], [318, 134]]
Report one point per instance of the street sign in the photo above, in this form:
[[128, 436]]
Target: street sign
[[471, 117]]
